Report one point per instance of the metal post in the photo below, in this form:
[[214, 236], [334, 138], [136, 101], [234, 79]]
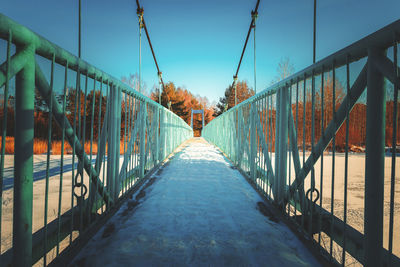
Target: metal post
[[160, 84], [157, 132], [277, 137], [281, 149], [374, 162], [239, 138], [23, 162], [191, 118], [162, 134], [235, 85], [253, 141], [117, 184], [113, 142], [142, 133], [202, 114]]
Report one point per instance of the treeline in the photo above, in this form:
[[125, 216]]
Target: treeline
[[226, 102], [181, 102], [303, 120], [73, 104], [85, 113]]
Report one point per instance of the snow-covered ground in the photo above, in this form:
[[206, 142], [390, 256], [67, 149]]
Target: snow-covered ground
[[39, 185], [198, 211]]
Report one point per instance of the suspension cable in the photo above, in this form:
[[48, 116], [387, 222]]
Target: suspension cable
[[315, 29], [79, 29], [140, 9], [252, 25], [254, 16], [139, 12]]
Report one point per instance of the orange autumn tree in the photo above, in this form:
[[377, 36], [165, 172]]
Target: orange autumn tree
[[243, 92], [182, 102]]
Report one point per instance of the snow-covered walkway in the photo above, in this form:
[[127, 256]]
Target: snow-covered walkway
[[198, 212]]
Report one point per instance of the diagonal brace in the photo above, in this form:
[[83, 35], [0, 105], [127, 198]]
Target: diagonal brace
[[45, 91], [103, 138], [387, 68], [17, 62], [349, 101], [265, 150], [128, 154]]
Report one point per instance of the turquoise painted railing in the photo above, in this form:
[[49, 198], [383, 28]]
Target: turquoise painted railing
[[278, 138], [79, 189]]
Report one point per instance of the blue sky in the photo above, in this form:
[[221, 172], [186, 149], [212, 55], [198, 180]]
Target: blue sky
[[198, 43]]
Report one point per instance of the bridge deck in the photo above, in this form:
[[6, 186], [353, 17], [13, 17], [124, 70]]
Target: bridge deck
[[197, 211]]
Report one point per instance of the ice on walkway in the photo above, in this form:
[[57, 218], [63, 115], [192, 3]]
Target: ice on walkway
[[198, 211]]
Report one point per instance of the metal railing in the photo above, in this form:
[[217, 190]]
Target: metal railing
[[111, 137], [295, 139]]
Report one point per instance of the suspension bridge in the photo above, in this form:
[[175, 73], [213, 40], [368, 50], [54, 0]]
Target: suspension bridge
[[262, 186]]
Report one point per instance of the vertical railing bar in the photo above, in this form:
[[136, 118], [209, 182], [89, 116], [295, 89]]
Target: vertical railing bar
[[312, 152], [4, 127], [125, 144], [393, 167], [134, 144], [133, 107], [253, 144], [304, 138], [91, 191], [322, 156], [107, 143], [61, 161], [132, 119], [134, 111], [84, 152], [346, 160], [264, 120], [106, 115], [267, 138], [297, 125], [99, 138], [128, 136], [73, 153], [79, 170], [260, 116], [271, 132], [131, 126], [46, 194], [258, 145], [79, 112], [133, 158], [261, 135], [290, 150], [333, 156], [118, 142], [138, 109]]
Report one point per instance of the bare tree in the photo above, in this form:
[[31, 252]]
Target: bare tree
[[285, 69]]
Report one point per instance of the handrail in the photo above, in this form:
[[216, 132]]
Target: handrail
[[22, 36], [128, 123], [271, 143]]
